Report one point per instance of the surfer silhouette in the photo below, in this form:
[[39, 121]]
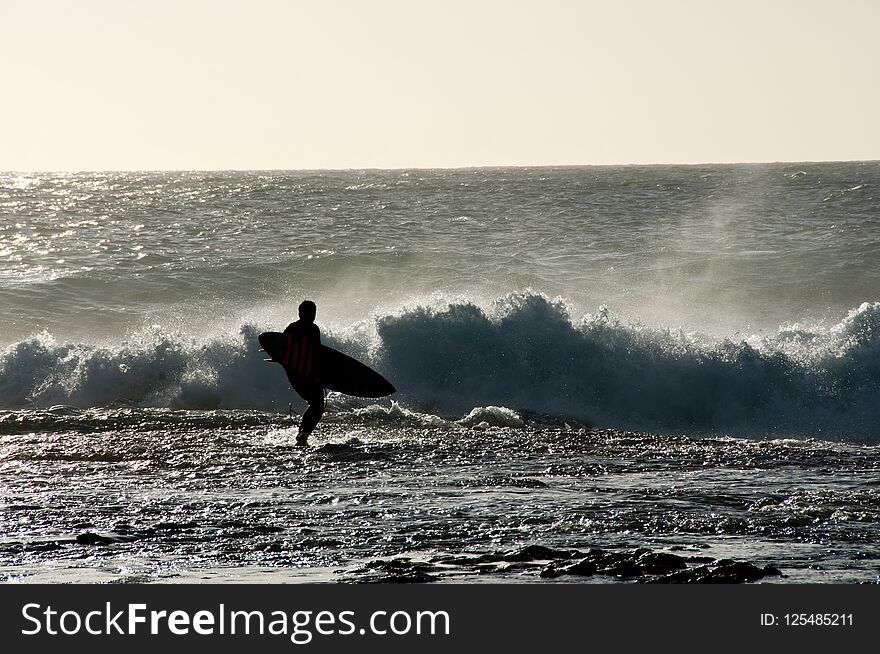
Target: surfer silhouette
[[306, 345]]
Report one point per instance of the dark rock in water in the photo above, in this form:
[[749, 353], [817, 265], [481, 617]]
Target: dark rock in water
[[594, 561], [489, 568], [551, 572], [700, 559], [606, 560], [89, 538], [538, 553], [658, 567], [598, 556], [660, 563], [642, 565], [726, 571], [525, 554], [735, 572], [584, 568], [689, 576], [622, 569], [395, 571], [465, 560], [602, 562], [636, 553], [401, 564]]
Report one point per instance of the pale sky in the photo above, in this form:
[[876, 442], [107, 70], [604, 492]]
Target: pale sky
[[250, 84]]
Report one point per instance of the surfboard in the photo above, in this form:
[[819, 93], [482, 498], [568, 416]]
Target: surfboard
[[333, 369]]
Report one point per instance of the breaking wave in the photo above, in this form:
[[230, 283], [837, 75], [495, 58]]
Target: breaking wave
[[524, 353]]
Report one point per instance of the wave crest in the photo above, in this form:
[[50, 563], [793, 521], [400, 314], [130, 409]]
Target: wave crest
[[523, 352]]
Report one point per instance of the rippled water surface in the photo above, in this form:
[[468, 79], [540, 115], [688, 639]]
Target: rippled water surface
[[143, 495]]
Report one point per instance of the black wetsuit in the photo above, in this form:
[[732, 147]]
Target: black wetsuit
[[308, 388]]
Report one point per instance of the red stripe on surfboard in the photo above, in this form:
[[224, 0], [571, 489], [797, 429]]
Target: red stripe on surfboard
[[301, 360], [298, 356]]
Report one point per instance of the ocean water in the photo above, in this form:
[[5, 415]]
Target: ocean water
[[609, 363]]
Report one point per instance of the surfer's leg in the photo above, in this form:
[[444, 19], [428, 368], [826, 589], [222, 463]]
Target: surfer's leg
[[313, 394], [312, 415]]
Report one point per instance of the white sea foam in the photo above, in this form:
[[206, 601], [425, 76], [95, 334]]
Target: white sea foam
[[482, 364]]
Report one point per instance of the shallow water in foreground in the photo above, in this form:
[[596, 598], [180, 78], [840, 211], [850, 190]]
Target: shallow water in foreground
[[143, 495]]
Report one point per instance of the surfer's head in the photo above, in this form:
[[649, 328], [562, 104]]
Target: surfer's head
[[307, 311]]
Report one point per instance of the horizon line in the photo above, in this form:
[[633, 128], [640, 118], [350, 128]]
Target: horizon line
[[455, 167]]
